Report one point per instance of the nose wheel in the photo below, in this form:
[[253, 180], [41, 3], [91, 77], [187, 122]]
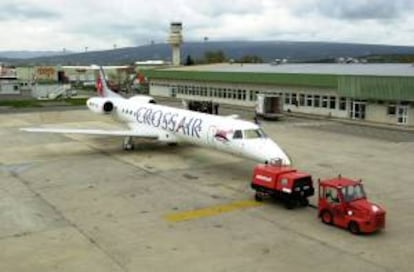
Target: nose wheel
[[128, 144]]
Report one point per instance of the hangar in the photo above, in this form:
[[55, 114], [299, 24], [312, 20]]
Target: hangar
[[378, 93]]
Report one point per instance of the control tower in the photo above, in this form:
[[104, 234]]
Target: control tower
[[175, 39]]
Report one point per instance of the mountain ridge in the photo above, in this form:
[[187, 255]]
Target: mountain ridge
[[267, 50]]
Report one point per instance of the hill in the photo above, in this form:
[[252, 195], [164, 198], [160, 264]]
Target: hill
[[267, 50]]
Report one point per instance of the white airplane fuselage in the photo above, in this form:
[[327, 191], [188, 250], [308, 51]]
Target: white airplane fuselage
[[173, 125]]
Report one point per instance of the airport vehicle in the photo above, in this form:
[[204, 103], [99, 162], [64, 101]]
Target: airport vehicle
[[343, 203], [146, 119], [283, 183], [269, 106]]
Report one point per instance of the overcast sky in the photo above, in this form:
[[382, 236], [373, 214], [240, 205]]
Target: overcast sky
[[101, 24]]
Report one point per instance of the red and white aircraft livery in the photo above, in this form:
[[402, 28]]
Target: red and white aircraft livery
[[146, 119]]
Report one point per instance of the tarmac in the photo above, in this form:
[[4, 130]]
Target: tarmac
[[81, 203]]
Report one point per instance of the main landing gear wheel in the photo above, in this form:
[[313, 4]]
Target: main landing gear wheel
[[128, 144]]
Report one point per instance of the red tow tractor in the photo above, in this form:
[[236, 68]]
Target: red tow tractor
[[341, 201]]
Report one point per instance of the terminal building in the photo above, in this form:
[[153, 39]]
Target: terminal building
[[379, 93]]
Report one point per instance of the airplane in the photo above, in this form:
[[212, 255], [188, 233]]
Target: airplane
[[147, 119]]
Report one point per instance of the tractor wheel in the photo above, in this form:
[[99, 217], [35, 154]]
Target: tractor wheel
[[290, 204], [327, 217], [258, 197], [354, 227], [304, 202]]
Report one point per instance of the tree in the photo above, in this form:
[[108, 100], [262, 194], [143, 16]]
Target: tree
[[214, 56], [251, 59], [189, 60]]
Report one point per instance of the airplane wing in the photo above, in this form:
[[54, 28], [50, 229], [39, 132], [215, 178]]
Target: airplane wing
[[133, 133]]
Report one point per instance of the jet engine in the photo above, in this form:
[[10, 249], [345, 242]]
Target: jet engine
[[100, 105]]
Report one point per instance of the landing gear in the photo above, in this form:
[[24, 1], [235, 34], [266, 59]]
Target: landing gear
[[128, 143]]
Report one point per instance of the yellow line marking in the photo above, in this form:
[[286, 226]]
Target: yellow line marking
[[210, 211]]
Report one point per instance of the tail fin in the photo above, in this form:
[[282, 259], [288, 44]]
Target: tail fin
[[101, 85]]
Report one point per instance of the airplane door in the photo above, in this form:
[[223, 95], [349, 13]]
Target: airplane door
[[237, 143]]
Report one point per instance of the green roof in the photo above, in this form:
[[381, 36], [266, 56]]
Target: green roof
[[310, 80], [353, 86], [376, 87]]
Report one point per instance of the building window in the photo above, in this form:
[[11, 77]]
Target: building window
[[244, 95], [332, 102], [309, 99], [287, 98], [251, 95], [294, 99], [239, 94], [342, 103], [324, 101], [302, 99], [391, 109], [317, 101]]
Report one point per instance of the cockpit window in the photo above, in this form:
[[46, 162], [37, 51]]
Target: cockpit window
[[254, 134], [238, 134]]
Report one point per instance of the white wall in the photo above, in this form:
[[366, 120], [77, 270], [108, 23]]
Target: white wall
[[378, 113], [162, 91], [411, 115], [9, 87]]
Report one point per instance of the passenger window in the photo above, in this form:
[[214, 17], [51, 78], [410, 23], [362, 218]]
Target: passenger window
[[237, 134]]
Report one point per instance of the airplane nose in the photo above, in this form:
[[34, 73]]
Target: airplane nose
[[276, 154]]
